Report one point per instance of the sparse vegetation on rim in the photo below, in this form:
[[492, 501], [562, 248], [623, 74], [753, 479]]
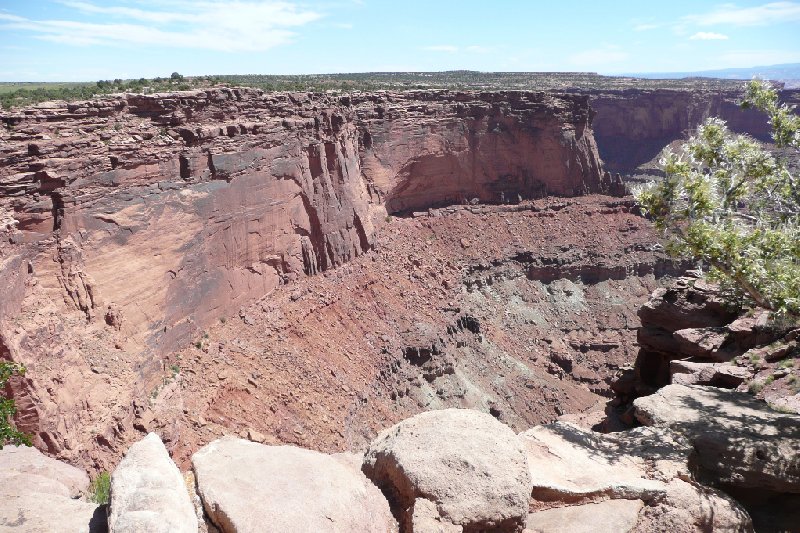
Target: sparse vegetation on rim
[[21, 94]]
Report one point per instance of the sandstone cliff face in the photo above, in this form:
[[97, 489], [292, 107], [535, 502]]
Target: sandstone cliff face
[[175, 209], [134, 222], [632, 126]]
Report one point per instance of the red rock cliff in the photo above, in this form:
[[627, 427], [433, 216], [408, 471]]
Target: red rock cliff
[[632, 126], [134, 222], [174, 209]]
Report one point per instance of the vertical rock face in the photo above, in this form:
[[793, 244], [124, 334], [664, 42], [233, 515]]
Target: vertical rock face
[[497, 147], [632, 126], [176, 209]]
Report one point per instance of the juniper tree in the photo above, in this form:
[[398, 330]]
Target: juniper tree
[[730, 204]]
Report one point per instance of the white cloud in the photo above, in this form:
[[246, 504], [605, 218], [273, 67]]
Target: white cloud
[[606, 55], [645, 27], [226, 25], [730, 14], [449, 48], [708, 36]]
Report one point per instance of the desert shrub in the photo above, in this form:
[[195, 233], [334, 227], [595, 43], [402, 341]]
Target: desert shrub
[[729, 204], [8, 432], [100, 488]]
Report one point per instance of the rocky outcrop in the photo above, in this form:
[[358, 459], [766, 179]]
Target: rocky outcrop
[[250, 487], [638, 480], [736, 441], [40, 494], [148, 492], [468, 465], [691, 335], [453, 471]]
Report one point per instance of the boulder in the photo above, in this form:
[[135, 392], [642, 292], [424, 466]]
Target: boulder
[[688, 303], [425, 518], [38, 494], [148, 492], [608, 516], [251, 487], [722, 375], [706, 343], [38, 468], [472, 467], [570, 464], [737, 440], [688, 507], [578, 476]]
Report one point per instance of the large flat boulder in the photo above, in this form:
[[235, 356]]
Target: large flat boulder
[[570, 464], [148, 492], [37, 467], [251, 487], [39, 494], [737, 439], [629, 481], [472, 467], [608, 516]]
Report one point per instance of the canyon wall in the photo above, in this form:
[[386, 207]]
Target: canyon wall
[[632, 126], [132, 223], [167, 211]]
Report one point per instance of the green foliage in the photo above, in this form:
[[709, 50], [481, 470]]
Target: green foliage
[[100, 488], [757, 386], [727, 202], [8, 433]]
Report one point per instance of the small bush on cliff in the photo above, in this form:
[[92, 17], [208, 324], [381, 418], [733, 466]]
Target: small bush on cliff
[[8, 433], [100, 489], [730, 204]]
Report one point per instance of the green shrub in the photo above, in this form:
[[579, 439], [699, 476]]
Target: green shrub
[[100, 489], [8, 432], [727, 202]]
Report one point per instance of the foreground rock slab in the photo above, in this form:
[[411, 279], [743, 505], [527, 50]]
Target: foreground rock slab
[[37, 494], [737, 440], [637, 480], [610, 515], [472, 467], [568, 463], [148, 492], [250, 487]]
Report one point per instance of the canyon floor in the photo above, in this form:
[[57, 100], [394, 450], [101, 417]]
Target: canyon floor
[[524, 311]]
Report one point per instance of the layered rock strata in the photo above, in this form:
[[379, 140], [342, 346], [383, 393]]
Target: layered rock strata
[[134, 222]]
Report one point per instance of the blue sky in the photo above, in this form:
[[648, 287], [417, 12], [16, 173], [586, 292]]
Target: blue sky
[[76, 40]]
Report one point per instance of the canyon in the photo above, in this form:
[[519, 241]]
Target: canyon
[[309, 269]]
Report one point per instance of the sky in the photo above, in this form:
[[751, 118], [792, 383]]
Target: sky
[[88, 40]]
